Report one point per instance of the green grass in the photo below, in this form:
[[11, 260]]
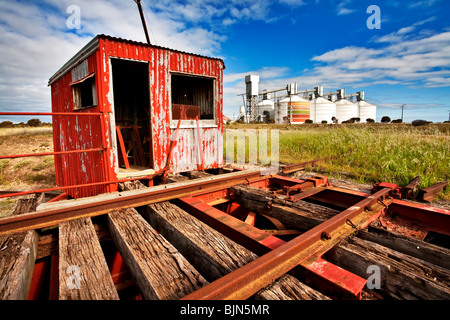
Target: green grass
[[47, 162], [370, 153], [21, 164]]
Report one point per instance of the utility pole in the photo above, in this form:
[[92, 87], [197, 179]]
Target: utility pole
[[141, 13]]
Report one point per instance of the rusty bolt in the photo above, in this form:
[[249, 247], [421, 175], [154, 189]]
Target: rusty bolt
[[325, 236]]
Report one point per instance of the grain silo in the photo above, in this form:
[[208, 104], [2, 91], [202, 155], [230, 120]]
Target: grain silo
[[322, 110], [345, 110], [300, 109], [366, 110], [265, 110]]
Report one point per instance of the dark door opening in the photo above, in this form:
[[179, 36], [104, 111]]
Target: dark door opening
[[132, 113]]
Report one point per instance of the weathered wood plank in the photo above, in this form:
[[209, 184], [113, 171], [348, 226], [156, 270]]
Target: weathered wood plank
[[213, 254], [28, 203], [414, 247], [158, 269], [17, 258], [83, 271], [401, 276], [299, 215], [18, 254], [198, 174]]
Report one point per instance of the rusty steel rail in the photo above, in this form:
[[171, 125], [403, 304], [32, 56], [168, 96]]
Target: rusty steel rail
[[90, 207], [290, 168], [249, 279]]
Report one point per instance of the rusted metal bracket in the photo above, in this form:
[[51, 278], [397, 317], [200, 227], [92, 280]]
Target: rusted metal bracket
[[305, 188]]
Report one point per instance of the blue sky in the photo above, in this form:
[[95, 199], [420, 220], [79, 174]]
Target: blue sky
[[311, 42]]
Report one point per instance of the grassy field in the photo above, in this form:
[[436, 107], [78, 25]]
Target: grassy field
[[369, 153]]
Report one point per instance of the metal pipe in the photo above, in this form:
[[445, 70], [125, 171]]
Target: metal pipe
[[50, 114], [141, 13], [50, 153], [74, 186]]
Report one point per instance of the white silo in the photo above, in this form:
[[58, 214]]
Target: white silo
[[345, 110], [366, 111], [266, 105], [243, 114], [322, 110]]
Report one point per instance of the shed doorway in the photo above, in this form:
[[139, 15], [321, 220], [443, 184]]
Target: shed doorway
[[132, 115]]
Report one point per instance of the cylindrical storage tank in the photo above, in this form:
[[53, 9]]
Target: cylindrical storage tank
[[322, 110], [345, 110], [266, 105], [366, 111], [301, 109]]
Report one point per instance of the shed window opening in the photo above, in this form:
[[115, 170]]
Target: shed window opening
[[84, 93], [192, 97]]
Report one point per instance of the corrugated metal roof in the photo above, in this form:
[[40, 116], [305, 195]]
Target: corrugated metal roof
[[90, 48]]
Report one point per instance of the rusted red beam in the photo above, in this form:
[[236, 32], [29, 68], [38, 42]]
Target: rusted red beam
[[429, 218], [50, 153], [63, 196], [122, 148], [330, 278], [246, 235], [246, 281]]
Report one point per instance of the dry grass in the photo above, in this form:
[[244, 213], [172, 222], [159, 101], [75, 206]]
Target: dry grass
[[29, 173]]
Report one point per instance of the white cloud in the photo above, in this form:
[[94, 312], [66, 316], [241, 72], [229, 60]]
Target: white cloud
[[35, 41], [400, 35], [423, 3], [293, 3], [342, 8], [401, 59]]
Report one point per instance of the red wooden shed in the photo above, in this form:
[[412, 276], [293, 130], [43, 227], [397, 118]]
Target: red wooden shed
[[121, 101]]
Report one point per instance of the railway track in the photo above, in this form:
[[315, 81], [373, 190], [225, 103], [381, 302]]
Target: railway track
[[231, 236]]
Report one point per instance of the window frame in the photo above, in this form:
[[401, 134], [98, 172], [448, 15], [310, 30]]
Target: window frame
[[77, 92]]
